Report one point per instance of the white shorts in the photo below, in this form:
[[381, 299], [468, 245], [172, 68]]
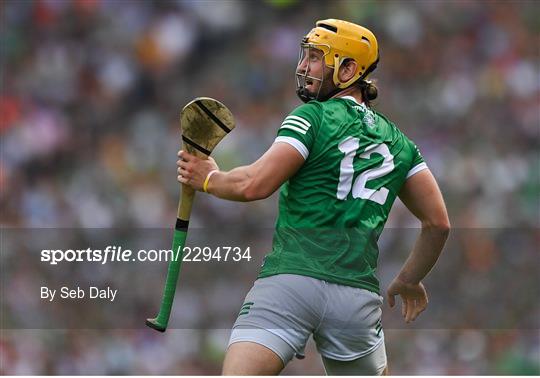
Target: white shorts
[[282, 311]]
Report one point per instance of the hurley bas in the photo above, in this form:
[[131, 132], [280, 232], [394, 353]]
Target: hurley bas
[[91, 292]]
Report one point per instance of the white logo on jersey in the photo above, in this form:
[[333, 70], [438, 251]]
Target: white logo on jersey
[[369, 117]]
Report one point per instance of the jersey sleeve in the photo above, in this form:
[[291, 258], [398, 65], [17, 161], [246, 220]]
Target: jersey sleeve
[[300, 127], [418, 163]]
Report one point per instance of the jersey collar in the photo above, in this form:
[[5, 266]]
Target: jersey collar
[[350, 98]]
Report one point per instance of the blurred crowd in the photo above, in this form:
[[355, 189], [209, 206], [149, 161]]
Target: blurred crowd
[[90, 95]]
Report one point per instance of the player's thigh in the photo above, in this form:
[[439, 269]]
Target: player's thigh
[[249, 358], [351, 328], [280, 312], [374, 363]]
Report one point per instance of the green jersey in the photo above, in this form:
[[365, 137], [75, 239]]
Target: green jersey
[[333, 210]]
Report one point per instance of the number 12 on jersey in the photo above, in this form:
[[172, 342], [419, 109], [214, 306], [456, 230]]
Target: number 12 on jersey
[[349, 146]]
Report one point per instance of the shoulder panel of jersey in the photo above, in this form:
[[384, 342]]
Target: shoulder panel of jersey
[[417, 160], [300, 127]]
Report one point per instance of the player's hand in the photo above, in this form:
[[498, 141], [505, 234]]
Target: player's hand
[[192, 170], [413, 296]]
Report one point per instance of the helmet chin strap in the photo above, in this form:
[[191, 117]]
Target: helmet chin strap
[[304, 95]]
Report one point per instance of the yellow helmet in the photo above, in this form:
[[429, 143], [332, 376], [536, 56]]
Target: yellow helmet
[[340, 40]]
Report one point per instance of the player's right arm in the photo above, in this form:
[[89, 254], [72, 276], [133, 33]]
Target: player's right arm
[[263, 177], [260, 179], [421, 195], [247, 183]]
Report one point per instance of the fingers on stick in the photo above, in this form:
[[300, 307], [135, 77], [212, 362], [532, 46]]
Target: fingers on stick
[[184, 155]]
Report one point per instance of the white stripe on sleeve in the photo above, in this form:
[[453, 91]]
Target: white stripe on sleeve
[[417, 168], [300, 147], [299, 119], [295, 123], [291, 127]]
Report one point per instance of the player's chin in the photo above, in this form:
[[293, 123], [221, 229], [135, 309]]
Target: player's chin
[[312, 89]]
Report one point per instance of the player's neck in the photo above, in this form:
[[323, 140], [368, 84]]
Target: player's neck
[[350, 92]]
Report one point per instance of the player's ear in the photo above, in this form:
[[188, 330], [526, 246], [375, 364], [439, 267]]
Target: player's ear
[[347, 70]]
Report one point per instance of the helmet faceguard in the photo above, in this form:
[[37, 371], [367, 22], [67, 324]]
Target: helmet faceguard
[[304, 77], [339, 40]]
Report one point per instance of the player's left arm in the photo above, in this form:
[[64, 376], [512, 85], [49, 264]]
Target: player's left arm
[[247, 183], [422, 196]]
